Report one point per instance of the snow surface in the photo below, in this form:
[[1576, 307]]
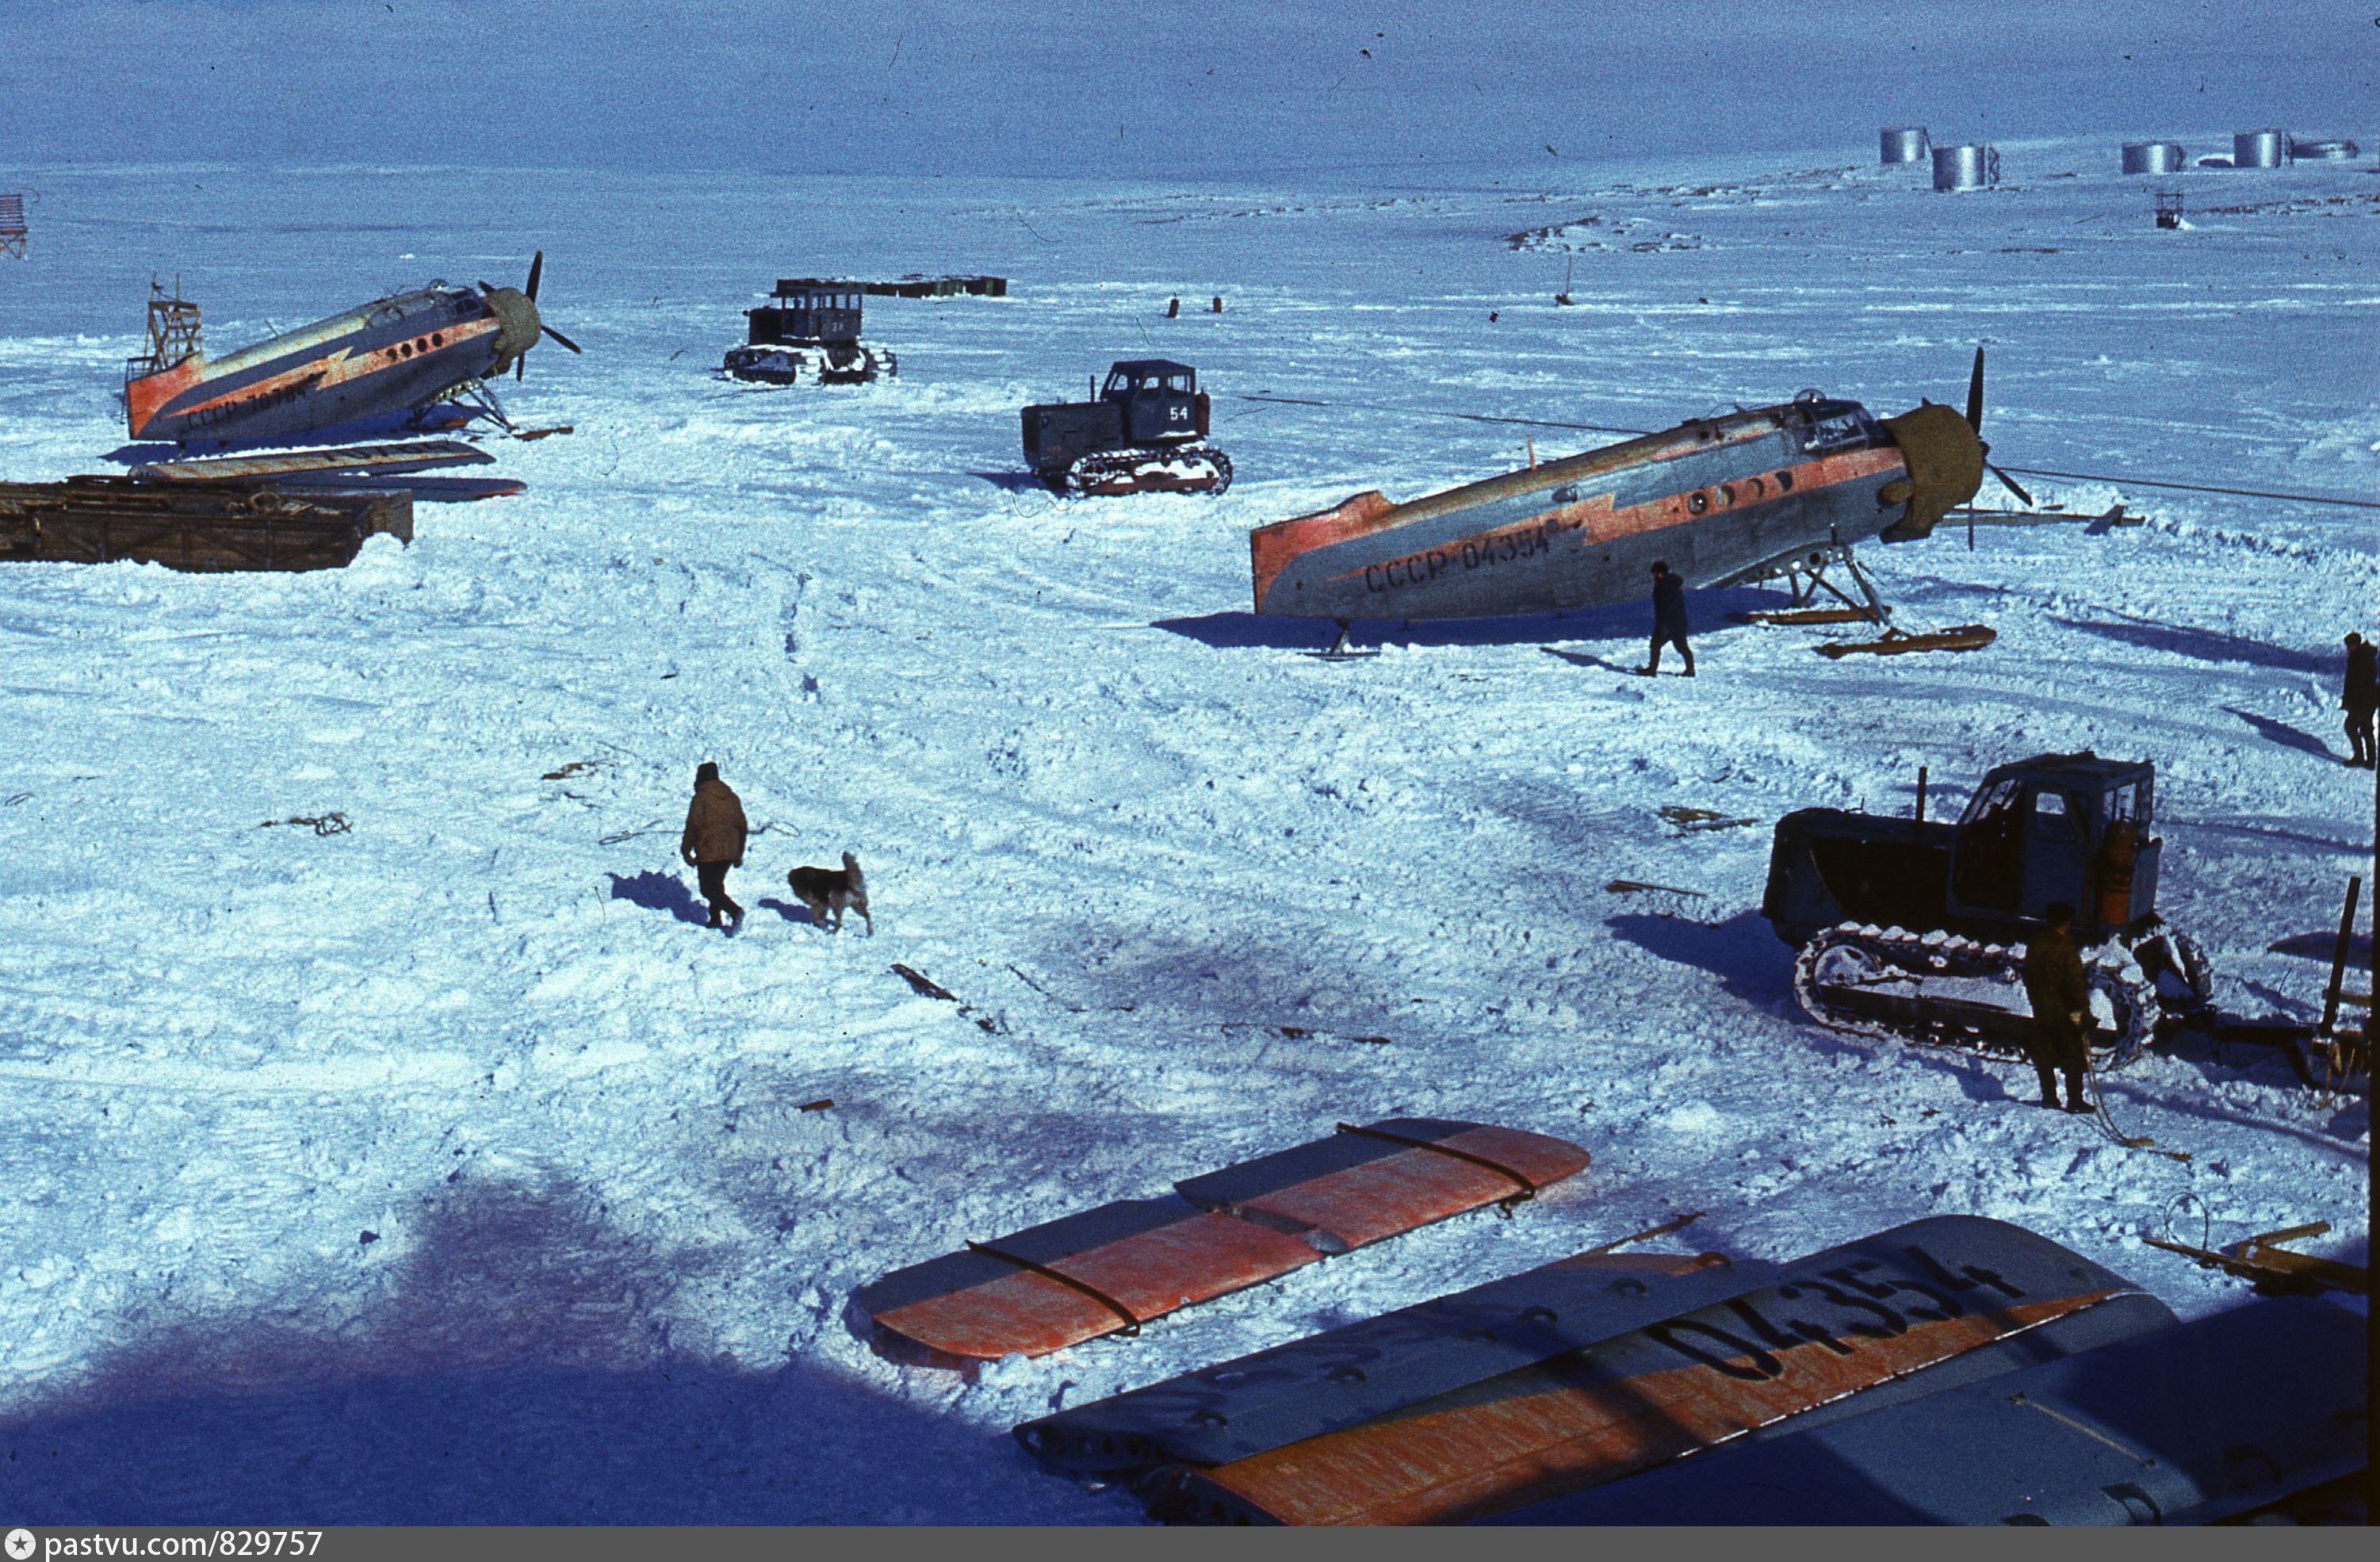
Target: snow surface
[[1177, 868]]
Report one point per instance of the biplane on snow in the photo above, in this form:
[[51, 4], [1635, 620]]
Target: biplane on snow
[[1772, 493], [423, 358]]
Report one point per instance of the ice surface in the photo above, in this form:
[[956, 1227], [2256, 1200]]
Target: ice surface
[[1186, 876]]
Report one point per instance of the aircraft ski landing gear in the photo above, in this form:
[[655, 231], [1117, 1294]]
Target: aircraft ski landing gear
[[1342, 647], [1806, 575]]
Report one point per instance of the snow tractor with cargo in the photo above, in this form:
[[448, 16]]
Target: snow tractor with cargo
[[808, 327], [1916, 930], [1140, 433]]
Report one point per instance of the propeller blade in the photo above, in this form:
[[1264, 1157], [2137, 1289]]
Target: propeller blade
[[558, 337], [537, 270], [1976, 395], [486, 287], [520, 366], [2011, 483]]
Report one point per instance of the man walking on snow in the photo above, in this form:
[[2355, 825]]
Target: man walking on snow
[[1668, 618], [713, 842], [2060, 994], [2361, 698]]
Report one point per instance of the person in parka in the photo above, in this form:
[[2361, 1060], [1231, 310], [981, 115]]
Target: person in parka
[[2060, 994], [1669, 619], [2361, 698], [713, 842]]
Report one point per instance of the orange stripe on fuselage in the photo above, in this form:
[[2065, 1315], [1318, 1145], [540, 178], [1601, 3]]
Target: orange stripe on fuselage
[[340, 367], [1611, 520]]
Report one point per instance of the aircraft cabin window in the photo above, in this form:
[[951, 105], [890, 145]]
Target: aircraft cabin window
[[1758, 487], [1785, 482], [1697, 502], [1726, 494]]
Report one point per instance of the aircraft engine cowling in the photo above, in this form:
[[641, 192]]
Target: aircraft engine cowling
[[1946, 467], [518, 324]]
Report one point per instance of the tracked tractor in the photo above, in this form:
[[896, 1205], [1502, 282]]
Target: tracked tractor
[[1916, 930], [1142, 432], [808, 328]]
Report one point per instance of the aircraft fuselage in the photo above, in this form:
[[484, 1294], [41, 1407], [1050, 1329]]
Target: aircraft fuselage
[[391, 355], [1716, 498]]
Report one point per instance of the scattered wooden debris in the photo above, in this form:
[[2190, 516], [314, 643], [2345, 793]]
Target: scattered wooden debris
[[325, 824], [1629, 887], [820, 1105], [926, 986], [1896, 643], [1689, 820], [576, 767], [2272, 1267]]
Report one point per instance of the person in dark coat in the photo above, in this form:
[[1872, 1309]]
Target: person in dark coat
[[713, 842], [2060, 995], [2361, 698], [1668, 618]]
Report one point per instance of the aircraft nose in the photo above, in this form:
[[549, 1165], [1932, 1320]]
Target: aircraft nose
[[1945, 463], [516, 322]]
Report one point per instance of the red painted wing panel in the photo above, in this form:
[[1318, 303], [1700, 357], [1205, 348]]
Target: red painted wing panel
[[1175, 1265], [1148, 1275], [1450, 1464], [1414, 1188], [1105, 1269], [1020, 1311]]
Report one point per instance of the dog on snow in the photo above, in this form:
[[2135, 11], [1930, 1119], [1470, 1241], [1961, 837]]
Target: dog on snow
[[832, 889]]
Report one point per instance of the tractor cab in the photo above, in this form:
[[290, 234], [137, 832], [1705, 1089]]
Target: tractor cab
[[1157, 400], [2070, 827], [805, 311]]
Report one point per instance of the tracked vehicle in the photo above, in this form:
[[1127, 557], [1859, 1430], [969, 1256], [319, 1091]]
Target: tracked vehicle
[[1143, 431], [1916, 930], [808, 329]]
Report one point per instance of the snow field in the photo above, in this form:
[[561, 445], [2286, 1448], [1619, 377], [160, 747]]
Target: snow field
[[1183, 876]]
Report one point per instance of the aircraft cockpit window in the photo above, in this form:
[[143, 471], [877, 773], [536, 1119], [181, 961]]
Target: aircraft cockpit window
[[1838, 431]]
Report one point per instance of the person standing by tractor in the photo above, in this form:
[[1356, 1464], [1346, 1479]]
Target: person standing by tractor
[[1668, 618], [2060, 994], [713, 842], [2361, 698]]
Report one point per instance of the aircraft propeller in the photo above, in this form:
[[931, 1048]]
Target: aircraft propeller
[[522, 324], [1975, 421]]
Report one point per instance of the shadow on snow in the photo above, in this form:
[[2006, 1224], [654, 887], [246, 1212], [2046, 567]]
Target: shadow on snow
[[660, 892], [515, 1366], [1627, 620]]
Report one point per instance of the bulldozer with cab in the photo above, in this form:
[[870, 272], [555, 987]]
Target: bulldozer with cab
[[1915, 929]]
